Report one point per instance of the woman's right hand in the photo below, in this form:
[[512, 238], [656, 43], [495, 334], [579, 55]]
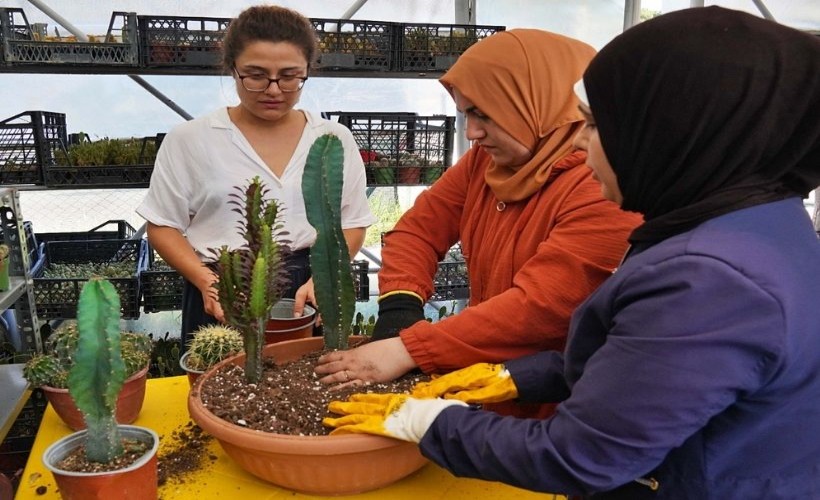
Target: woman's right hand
[[210, 300]]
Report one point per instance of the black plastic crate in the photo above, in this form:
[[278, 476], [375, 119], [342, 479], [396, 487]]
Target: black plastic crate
[[181, 41], [452, 280], [116, 229], [346, 44], [130, 176], [56, 298], [435, 47], [401, 148], [361, 280], [161, 286], [29, 142], [22, 45]]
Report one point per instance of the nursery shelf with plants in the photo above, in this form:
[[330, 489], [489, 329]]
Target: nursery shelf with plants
[[160, 44]]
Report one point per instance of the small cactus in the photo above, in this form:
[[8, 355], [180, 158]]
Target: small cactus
[[211, 344], [98, 372], [253, 278], [45, 370]]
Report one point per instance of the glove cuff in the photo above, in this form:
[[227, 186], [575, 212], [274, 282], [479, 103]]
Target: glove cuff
[[400, 292]]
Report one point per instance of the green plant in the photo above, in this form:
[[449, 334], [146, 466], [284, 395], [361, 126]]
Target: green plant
[[165, 356], [108, 152], [52, 367], [211, 344], [252, 278], [330, 265], [385, 206], [362, 327]]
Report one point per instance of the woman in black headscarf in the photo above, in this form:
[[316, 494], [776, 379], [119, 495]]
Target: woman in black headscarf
[[694, 371]]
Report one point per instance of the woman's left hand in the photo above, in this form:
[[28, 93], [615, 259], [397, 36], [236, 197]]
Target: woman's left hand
[[305, 295], [379, 361]]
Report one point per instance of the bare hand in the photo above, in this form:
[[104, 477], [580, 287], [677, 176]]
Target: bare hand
[[305, 294], [380, 361], [210, 302]]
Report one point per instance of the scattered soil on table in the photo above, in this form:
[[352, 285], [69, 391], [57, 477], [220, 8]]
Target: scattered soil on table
[[75, 461], [182, 453], [289, 398]]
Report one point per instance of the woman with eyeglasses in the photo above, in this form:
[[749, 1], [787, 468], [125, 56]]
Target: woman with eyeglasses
[[268, 51]]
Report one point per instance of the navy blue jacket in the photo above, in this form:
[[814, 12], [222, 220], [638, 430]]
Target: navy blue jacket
[[695, 366]]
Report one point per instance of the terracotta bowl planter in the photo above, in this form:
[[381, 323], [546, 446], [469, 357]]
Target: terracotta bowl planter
[[136, 482], [317, 465], [283, 326], [129, 402]]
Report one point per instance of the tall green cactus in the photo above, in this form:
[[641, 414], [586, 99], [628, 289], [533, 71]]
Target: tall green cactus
[[330, 266], [98, 373], [253, 278]]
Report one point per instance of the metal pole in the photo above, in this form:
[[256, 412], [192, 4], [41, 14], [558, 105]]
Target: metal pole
[[632, 13], [696, 3], [353, 9], [763, 10], [465, 13], [83, 38]]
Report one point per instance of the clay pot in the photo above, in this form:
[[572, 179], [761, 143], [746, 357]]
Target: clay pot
[[136, 482], [283, 326], [129, 402], [316, 465], [409, 175], [192, 374]]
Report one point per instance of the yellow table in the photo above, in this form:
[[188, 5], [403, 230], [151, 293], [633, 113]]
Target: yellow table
[[165, 410]]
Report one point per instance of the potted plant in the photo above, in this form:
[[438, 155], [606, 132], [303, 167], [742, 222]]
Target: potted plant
[[106, 460], [4, 267], [314, 464], [281, 324], [209, 345], [51, 369]]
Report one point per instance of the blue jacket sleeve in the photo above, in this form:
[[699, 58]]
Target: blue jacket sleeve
[[539, 377]]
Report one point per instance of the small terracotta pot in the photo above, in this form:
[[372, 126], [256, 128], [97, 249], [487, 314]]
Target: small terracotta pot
[[283, 326], [136, 482], [409, 175], [316, 465], [129, 402], [192, 374]]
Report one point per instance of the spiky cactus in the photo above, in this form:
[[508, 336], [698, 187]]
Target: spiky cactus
[[253, 278], [51, 368], [43, 369], [98, 373], [329, 256], [211, 344]]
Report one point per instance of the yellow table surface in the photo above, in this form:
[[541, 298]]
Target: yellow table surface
[[165, 410]]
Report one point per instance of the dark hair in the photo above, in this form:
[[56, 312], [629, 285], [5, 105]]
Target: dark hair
[[268, 23]]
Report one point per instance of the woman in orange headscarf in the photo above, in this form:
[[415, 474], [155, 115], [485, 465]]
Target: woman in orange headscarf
[[537, 235]]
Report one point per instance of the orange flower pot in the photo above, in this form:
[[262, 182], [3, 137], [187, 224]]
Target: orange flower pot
[[129, 402], [317, 465], [283, 326], [135, 482]]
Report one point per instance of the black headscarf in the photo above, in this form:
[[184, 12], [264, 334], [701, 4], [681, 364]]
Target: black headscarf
[[705, 111]]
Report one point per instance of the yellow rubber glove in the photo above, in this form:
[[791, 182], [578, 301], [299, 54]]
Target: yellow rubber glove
[[478, 383], [397, 416]]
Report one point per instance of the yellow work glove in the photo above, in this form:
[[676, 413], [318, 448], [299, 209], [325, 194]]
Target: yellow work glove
[[479, 383], [397, 416]]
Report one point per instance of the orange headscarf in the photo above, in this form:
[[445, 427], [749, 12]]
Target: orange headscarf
[[523, 80]]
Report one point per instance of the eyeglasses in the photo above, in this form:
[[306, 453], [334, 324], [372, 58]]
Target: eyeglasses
[[260, 83]]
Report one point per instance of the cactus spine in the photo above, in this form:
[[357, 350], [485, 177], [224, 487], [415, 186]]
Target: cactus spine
[[253, 278], [329, 257], [98, 373]]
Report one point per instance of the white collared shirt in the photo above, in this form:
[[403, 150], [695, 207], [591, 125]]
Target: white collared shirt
[[201, 161]]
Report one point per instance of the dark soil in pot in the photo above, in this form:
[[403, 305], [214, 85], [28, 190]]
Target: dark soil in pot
[[289, 399]]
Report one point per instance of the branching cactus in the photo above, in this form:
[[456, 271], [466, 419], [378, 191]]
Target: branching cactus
[[98, 372], [329, 257], [253, 278]]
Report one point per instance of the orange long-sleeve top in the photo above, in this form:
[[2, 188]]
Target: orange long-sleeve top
[[530, 263]]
